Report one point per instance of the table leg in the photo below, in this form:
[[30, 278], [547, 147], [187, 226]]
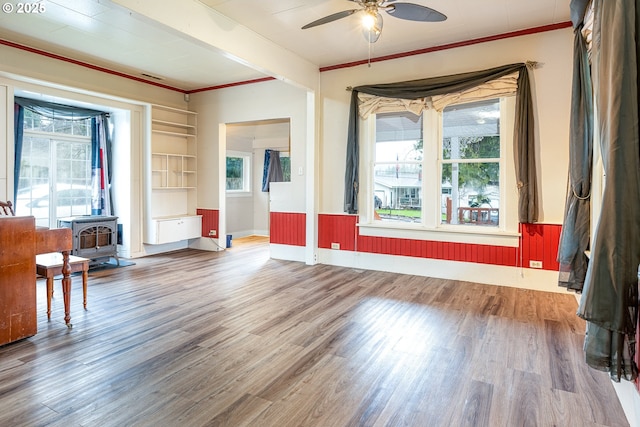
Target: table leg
[[49, 295], [85, 277], [66, 288]]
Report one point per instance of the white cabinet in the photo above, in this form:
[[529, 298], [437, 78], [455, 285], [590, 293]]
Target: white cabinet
[[173, 176], [168, 230]]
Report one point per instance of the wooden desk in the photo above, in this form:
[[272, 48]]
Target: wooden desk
[[58, 240], [50, 265]]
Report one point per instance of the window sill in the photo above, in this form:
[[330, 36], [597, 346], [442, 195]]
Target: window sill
[[455, 234]]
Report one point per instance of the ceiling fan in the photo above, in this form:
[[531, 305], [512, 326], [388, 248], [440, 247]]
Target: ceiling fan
[[372, 19]]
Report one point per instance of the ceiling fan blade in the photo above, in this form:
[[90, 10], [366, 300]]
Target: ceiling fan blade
[[415, 12], [331, 18]]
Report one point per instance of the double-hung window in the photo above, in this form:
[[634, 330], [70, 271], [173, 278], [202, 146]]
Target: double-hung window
[[55, 170], [444, 170]]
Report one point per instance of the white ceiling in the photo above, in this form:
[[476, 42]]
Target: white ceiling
[[106, 35]]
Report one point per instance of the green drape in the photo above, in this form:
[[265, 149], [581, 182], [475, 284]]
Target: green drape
[[609, 299], [576, 227], [413, 89]]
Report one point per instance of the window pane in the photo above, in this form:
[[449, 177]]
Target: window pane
[[81, 128], [398, 192], [397, 180], [471, 131], [471, 147], [285, 162], [475, 199], [401, 126], [235, 173]]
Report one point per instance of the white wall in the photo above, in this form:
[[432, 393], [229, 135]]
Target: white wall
[[551, 84]]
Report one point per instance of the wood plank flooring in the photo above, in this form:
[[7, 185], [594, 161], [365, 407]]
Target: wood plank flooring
[[234, 338]]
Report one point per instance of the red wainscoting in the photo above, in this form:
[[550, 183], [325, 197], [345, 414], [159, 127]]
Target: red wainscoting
[[539, 243], [210, 220], [287, 228], [483, 254], [339, 229]]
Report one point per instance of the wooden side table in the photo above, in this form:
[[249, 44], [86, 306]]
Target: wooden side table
[[50, 265]]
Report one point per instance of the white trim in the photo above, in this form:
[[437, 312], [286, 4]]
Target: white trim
[[630, 401], [489, 274], [455, 234], [247, 157], [288, 252], [431, 198]]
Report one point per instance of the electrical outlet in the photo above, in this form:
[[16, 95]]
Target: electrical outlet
[[535, 264], [335, 245], [212, 233]]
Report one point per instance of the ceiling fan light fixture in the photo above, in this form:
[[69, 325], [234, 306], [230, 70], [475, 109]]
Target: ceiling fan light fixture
[[371, 26], [368, 20]]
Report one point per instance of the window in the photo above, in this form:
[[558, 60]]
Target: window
[[443, 170], [55, 171], [397, 168], [470, 164], [238, 172], [285, 162]]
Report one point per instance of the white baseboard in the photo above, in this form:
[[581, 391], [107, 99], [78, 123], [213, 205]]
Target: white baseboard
[[524, 278], [287, 252], [167, 247], [630, 401]]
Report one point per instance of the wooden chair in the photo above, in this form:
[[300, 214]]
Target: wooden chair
[[6, 209]]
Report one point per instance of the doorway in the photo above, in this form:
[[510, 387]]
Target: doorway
[[247, 205]]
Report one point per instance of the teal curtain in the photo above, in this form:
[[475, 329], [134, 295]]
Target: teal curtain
[[18, 129], [576, 227], [609, 301], [272, 170], [100, 166]]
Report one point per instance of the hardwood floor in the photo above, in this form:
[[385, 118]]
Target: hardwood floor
[[236, 339]]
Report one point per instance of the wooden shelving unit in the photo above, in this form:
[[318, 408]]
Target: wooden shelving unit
[[174, 176]]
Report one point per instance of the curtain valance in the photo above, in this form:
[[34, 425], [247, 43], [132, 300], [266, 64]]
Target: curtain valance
[[372, 104], [443, 85], [502, 86], [56, 111]]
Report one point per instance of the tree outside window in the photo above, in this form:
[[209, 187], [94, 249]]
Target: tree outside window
[[238, 172]]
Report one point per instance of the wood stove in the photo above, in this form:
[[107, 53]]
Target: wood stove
[[94, 237]]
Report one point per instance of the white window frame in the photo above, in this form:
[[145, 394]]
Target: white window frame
[[246, 190], [54, 139], [431, 228]]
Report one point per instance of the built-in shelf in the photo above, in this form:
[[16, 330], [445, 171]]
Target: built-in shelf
[[173, 177]]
